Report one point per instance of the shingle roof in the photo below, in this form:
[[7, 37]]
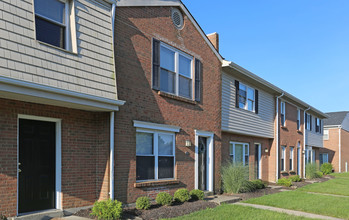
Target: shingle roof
[[335, 118]]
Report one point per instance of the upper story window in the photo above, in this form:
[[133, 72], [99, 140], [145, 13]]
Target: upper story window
[[173, 71], [317, 125], [52, 22], [308, 119], [291, 157], [283, 113], [283, 157], [298, 119], [326, 134], [246, 97]]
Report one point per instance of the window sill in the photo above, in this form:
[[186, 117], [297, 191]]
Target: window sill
[[246, 110], [58, 48], [156, 183], [284, 172], [292, 171], [299, 131], [179, 98]]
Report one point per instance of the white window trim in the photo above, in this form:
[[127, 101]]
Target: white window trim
[[291, 158], [243, 151], [246, 103], [156, 153], [326, 134], [176, 70], [155, 126], [283, 112], [259, 175], [283, 156]]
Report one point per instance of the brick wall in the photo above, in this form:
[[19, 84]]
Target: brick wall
[[331, 146], [135, 28], [85, 153]]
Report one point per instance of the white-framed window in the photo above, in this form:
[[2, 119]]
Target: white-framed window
[[53, 22], [323, 158], [155, 152], [308, 119], [317, 125], [308, 155], [283, 113], [326, 134], [247, 97], [239, 153], [176, 71], [291, 158], [298, 119], [283, 157]]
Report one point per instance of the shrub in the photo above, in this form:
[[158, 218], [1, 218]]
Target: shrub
[[284, 182], [235, 178], [3, 217], [108, 209], [258, 184], [143, 202], [319, 174], [326, 168], [295, 178], [182, 195], [311, 171], [197, 194], [164, 198]]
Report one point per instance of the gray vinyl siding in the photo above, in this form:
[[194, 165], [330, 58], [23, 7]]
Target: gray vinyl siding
[[312, 138], [90, 71], [345, 123], [244, 122]]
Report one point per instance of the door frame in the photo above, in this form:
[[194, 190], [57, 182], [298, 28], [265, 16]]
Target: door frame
[[209, 159], [58, 184], [259, 159]]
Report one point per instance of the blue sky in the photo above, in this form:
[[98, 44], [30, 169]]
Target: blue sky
[[301, 46]]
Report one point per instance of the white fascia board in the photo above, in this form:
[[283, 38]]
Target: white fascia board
[[20, 90], [170, 3], [230, 64], [155, 126], [332, 126]]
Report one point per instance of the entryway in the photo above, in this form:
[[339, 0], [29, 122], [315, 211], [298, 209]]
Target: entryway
[[258, 160], [39, 164]]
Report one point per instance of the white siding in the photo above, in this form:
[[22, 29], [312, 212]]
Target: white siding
[[242, 121], [90, 71], [311, 137]]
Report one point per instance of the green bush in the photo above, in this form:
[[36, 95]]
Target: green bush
[[108, 209], [164, 198], [197, 194], [284, 182], [258, 184], [3, 217], [311, 170], [319, 174], [326, 168], [182, 195], [143, 203], [235, 178], [295, 178]]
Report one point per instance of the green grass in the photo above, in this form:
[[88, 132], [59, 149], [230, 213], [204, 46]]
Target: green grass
[[337, 186], [237, 212], [302, 201]]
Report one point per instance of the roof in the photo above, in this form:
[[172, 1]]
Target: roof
[[277, 91], [335, 118], [170, 3]]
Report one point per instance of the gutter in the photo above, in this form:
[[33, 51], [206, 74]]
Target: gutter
[[111, 169], [277, 135], [305, 130]]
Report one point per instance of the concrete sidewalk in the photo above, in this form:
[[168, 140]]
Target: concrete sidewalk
[[287, 211]]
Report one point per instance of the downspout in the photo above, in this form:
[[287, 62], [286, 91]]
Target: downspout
[[305, 130], [340, 149], [277, 136], [111, 180]]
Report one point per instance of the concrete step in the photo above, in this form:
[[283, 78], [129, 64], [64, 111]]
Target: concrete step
[[220, 199], [208, 193], [43, 215]]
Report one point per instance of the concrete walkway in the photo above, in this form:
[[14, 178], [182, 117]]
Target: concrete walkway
[[287, 211], [326, 194]]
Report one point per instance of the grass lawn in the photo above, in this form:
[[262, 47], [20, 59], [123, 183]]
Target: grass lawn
[[337, 186], [302, 201], [237, 212]]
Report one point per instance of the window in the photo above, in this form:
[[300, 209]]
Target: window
[[246, 97], [283, 156], [155, 155], [291, 158], [317, 125], [298, 119], [52, 22], [308, 119], [326, 134], [308, 155], [239, 153], [323, 158], [283, 118]]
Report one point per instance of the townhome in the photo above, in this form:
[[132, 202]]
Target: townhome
[[168, 134], [336, 141], [58, 97], [263, 126]]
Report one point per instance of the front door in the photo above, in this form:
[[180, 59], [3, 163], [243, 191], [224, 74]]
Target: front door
[[36, 165], [257, 161], [202, 151], [299, 160]]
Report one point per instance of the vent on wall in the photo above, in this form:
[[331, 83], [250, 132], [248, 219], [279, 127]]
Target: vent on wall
[[177, 18]]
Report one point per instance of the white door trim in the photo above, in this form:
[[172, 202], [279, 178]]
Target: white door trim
[[58, 155], [209, 160]]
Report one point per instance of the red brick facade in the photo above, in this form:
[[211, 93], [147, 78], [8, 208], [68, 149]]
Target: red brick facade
[[85, 153], [135, 29]]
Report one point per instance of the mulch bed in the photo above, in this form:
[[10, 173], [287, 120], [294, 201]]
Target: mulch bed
[[157, 212]]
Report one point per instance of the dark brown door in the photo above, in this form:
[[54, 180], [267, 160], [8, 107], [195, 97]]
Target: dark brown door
[[36, 165], [202, 152]]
